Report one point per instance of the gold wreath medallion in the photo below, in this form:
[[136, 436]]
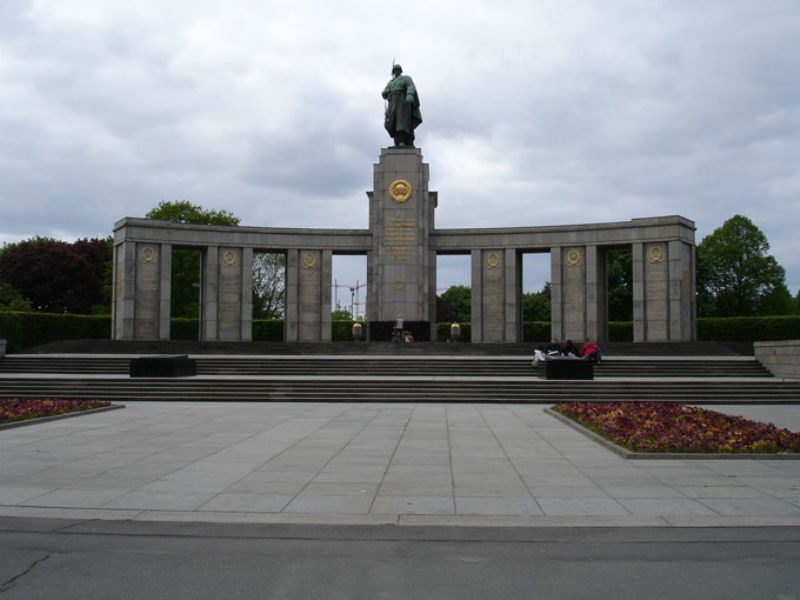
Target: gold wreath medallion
[[309, 260], [493, 260], [148, 254], [229, 258], [400, 190], [656, 254], [574, 257]]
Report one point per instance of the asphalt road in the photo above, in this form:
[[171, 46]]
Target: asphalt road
[[85, 560]]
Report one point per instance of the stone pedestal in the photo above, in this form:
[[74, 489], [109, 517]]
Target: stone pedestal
[[400, 266]]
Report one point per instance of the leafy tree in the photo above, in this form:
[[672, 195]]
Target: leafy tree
[[458, 299], [619, 274], [269, 277], [58, 276], [341, 314], [186, 262], [536, 305], [12, 299], [183, 211], [735, 275]]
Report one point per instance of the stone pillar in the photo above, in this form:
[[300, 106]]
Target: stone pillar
[[596, 301], [226, 298], [496, 278], [569, 301], [209, 295], [247, 295], [124, 285], [663, 292], [308, 295], [682, 297], [165, 292], [147, 292], [400, 218]]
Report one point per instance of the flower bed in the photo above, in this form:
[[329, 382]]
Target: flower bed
[[15, 409], [675, 428]]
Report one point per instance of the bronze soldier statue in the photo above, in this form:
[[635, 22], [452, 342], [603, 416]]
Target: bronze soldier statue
[[402, 110]]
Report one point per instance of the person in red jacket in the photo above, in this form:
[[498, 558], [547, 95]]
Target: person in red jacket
[[590, 351]]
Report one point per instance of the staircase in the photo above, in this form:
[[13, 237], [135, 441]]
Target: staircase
[[397, 378]]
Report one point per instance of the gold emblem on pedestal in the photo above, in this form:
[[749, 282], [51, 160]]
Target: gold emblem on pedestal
[[148, 254], [573, 257], [493, 260], [656, 254], [400, 190], [229, 258], [309, 260]]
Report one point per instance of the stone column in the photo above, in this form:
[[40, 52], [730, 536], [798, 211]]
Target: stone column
[[569, 292], [682, 297], [663, 292], [308, 295], [596, 307], [147, 291], [209, 294], [247, 295], [165, 292], [400, 218], [496, 278], [124, 285]]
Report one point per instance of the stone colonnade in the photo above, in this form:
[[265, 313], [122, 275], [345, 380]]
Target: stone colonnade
[[401, 246]]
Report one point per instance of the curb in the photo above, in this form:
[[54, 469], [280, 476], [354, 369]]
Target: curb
[[77, 413], [629, 454]]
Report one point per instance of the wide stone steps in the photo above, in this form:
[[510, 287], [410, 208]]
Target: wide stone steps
[[392, 366], [408, 389]]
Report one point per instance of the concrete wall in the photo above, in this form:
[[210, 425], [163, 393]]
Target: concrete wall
[[782, 357]]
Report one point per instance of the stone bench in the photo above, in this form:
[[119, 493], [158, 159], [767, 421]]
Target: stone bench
[[163, 365], [569, 368]]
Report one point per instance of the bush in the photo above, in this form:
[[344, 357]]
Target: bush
[[29, 329], [620, 331], [536, 331], [342, 330], [381, 331], [748, 329], [184, 328], [443, 332], [268, 330]]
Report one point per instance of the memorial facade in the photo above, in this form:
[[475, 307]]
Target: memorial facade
[[401, 246]]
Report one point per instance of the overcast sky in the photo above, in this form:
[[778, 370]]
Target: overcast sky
[[535, 112]]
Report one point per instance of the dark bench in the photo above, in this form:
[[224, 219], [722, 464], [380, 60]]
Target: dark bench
[[569, 368], [163, 365]]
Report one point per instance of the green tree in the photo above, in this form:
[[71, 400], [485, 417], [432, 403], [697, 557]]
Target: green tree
[[183, 211], [736, 277], [186, 262], [536, 305], [269, 289], [619, 273], [458, 299], [12, 299], [341, 314]]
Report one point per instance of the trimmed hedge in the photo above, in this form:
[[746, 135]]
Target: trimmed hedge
[[28, 329], [342, 331], [268, 330], [381, 331], [748, 329], [443, 332], [620, 331]]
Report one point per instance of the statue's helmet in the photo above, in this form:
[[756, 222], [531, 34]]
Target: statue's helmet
[[396, 69]]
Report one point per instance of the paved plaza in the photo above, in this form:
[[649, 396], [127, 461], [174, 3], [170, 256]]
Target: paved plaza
[[348, 463]]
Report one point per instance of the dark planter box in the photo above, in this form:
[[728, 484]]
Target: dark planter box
[[569, 368], [171, 365]]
